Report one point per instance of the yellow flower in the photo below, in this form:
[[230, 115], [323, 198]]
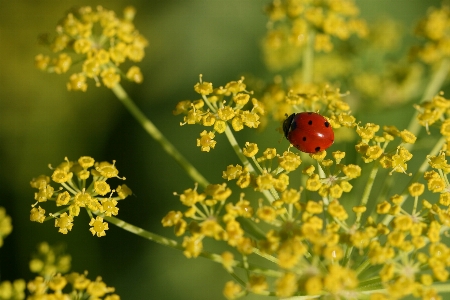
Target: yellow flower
[[290, 196], [313, 207], [228, 261], [57, 283], [211, 228], [257, 284], [37, 214], [241, 98], [78, 39], [313, 183], [110, 77], [408, 137], [289, 161], [13, 290], [62, 63], [101, 188], [64, 222], [77, 82], [106, 169], [264, 182], [250, 149], [193, 246], [190, 197], [235, 87], [134, 74], [206, 141], [416, 189], [232, 290], [267, 214], [42, 61], [204, 88], [98, 226], [286, 285], [123, 191], [172, 218], [109, 207], [61, 176], [98, 288], [226, 113], [5, 225], [436, 185], [220, 126], [237, 123], [337, 210]]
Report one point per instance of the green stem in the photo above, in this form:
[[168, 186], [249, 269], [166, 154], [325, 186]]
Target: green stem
[[153, 131], [445, 288], [362, 266], [308, 59], [175, 245], [369, 185], [244, 159], [266, 256], [431, 90], [143, 233]]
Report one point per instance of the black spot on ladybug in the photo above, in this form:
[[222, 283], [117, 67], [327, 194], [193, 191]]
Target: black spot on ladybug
[[310, 122], [304, 138], [317, 149], [327, 124]]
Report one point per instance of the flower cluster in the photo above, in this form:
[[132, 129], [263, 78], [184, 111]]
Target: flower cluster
[[224, 107], [50, 260], [436, 111], [434, 28], [5, 225], [281, 99], [311, 236], [373, 147], [12, 290], [295, 23], [320, 221], [101, 42], [87, 189], [81, 288], [54, 281]]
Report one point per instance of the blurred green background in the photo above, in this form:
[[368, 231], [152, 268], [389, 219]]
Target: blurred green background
[[41, 123]]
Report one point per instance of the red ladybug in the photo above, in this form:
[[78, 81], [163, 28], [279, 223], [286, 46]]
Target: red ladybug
[[308, 131]]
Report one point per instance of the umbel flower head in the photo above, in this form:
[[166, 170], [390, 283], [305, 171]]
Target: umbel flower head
[[77, 285], [82, 185], [319, 244], [49, 260], [295, 23], [220, 108], [13, 290], [434, 29], [5, 225], [100, 42]]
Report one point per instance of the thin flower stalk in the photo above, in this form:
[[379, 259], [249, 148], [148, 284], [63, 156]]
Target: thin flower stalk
[[154, 132]]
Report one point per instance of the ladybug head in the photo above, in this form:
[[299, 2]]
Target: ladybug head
[[287, 124]]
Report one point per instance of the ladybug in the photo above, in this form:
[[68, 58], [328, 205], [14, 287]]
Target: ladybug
[[308, 131]]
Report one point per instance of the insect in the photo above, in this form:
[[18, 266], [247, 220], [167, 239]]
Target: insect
[[308, 131]]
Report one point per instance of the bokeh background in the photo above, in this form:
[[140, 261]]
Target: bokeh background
[[41, 123]]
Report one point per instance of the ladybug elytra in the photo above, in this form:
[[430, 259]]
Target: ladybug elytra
[[308, 132]]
